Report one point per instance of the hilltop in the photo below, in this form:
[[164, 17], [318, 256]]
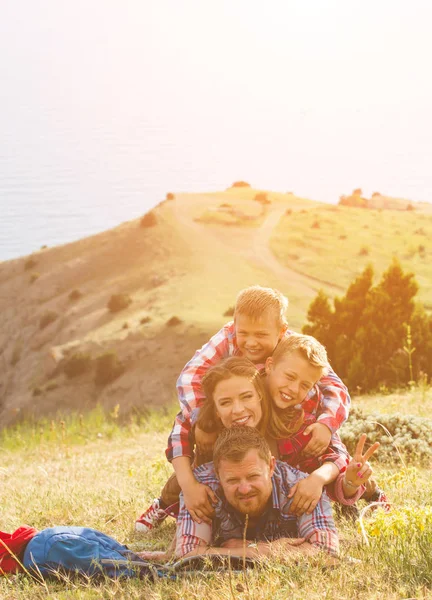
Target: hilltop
[[181, 267]]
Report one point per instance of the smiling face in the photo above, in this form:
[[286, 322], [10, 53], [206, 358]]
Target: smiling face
[[257, 338], [290, 379], [247, 484], [237, 402]]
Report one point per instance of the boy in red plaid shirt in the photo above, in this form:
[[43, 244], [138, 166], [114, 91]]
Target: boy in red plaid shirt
[[259, 324]]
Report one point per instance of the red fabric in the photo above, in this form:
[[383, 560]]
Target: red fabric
[[14, 544]]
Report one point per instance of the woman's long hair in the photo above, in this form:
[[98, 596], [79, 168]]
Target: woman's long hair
[[234, 366]]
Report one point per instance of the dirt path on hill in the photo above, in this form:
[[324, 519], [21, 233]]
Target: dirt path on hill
[[252, 243]]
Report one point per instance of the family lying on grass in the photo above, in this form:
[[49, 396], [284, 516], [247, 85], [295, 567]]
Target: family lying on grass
[[255, 449], [255, 374]]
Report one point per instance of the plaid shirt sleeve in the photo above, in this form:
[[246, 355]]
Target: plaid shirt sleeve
[[189, 388], [180, 439], [330, 401], [190, 392], [335, 492], [318, 528], [189, 534]]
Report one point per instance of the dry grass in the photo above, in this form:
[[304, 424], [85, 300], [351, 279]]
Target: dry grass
[[348, 239]]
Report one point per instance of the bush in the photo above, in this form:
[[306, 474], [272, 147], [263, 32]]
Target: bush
[[170, 196], [125, 325], [145, 320], [75, 295], [148, 220], [173, 322], [51, 385], [77, 364], [37, 391], [316, 225], [34, 277], [288, 212], [118, 302], [108, 368], [229, 312], [49, 317], [29, 264], [240, 184], [364, 251], [263, 198], [411, 435]]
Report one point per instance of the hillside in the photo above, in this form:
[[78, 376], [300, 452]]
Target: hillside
[[202, 250]]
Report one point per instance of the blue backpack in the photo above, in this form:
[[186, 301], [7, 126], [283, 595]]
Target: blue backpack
[[83, 551]]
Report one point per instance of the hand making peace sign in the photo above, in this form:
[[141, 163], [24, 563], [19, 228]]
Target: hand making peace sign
[[359, 470]]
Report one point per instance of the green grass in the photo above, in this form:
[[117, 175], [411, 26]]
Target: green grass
[[97, 472], [347, 239]]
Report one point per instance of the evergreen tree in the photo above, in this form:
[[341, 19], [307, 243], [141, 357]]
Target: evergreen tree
[[320, 317], [382, 328]]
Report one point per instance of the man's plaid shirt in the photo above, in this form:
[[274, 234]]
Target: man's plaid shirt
[[329, 401], [317, 528]]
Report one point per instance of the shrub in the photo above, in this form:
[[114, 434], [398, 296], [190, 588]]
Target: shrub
[[148, 220], [263, 198], [288, 212], [125, 325], [316, 225], [118, 302], [421, 249], [229, 312], [77, 364], [145, 320], [29, 264], [51, 385], [364, 251], [410, 206], [411, 435], [37, 391], [173, 322], [75, 295], [34, 277], [170, 196], [48, 317], [108, 368], [240, 184], [342, 236]]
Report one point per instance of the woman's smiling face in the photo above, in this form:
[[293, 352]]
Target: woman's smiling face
[[237, 402]]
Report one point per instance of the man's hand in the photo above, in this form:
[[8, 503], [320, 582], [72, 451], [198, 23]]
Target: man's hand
[[306, 494], [199, 500], [359, 470], [321, 436]]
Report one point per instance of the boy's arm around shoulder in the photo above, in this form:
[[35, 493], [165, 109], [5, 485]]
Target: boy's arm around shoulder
[[334, 403], [189, 389]]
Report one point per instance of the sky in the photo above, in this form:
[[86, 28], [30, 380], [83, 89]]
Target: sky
[[317, 97]]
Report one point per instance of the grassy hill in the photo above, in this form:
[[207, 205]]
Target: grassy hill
[[188, 261], [335, 243]]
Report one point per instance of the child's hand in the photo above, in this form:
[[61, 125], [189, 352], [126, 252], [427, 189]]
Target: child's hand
[[306, 494], [199, 500], [321, 436], [359, 470]]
